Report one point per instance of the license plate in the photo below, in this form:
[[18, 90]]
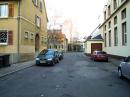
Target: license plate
[[42, 61]]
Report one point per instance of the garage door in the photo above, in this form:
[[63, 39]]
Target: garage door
[[96, 46]]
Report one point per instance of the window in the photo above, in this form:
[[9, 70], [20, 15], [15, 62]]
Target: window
[[105, 28], [109, 10], [6, 37], [110, 38], [32, 36], [38, 21], [105, 36], [105, 15], [115, 4], [35, 2], [123, 14], [3, 37], [124, 34], [26, 34], [3, 10], [41, 7], [122, 0], [109, 24], [42, 39], [115, 37], [115, 20]]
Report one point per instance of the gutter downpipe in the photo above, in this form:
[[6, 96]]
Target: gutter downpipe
[[18, 37]]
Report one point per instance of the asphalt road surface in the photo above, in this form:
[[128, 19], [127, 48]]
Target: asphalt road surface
[[75, 76]]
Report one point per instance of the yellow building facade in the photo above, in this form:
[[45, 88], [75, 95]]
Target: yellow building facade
[[23, 28]]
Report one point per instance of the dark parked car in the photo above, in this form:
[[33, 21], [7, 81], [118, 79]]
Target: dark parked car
[[124, 68], [99, 56], [47, 57], [60, 54]]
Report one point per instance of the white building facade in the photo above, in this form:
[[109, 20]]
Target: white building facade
[[115, 28]]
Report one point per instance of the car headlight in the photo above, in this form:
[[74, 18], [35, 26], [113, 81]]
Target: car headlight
[[49, 59], [37, 59]]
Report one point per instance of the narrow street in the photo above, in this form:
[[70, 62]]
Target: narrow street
[[75, 76]]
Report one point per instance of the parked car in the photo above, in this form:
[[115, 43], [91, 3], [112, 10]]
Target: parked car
[[60, 54], [99, 56], [47, 57], [124, 68]]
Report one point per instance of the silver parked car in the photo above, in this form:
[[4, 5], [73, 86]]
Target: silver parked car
[[124, 68]]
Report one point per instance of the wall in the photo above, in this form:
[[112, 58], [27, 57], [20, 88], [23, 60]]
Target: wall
[[88, 46], [118, 50]]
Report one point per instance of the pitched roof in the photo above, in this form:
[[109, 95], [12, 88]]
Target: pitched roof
[[98, 37]]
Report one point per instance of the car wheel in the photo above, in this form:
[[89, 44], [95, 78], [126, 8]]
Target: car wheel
[[94, 59], [53, 63], [57, 60], [120, 73], [107, 60]]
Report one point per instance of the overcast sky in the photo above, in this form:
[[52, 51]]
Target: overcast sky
[[83, 13]]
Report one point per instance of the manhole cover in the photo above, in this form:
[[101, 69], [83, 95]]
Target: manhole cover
[[67, 95]]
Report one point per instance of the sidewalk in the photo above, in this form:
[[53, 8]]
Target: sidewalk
[[15, 67]]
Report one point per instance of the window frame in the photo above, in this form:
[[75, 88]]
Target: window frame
[[41, 6], [123, 14], [115, 20], [7, 10], [37, 21], [5, 43], [109, 24], [115, 36], [109, 10], [32, 36], [105, 39], [124, 33], [35, 2], [114, 4], [26, 34], [109, 38]]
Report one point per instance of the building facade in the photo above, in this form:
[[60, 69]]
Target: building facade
[[57, 40], [93, 43], [23, 28], [115, 28]]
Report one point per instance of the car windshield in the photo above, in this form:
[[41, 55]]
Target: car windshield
[[49, 53], [101, 52], [43, 52], [46, 52]]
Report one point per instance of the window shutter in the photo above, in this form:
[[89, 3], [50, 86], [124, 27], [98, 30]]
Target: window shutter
[[11, 10], [10, 37]]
